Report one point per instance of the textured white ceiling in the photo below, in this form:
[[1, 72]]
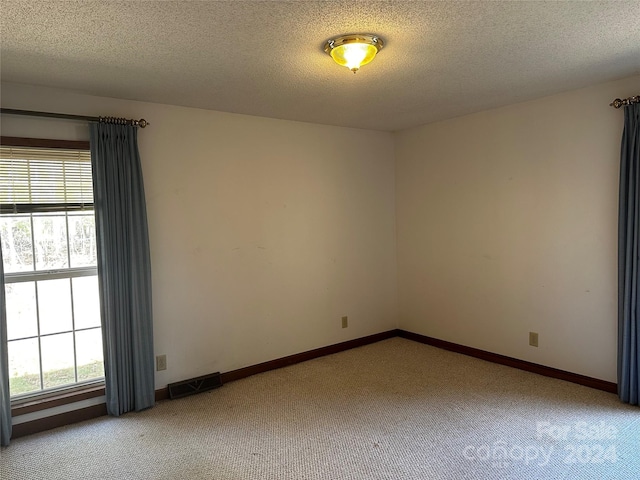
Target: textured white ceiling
[[441, 59]]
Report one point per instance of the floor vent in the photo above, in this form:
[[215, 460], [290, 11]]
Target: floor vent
[[194, 385]]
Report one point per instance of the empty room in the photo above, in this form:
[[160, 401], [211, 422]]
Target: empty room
[[227, 256]]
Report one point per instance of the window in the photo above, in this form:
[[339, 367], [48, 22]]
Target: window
[[49, 250]]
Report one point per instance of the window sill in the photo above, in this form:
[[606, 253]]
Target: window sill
[[23, 406]]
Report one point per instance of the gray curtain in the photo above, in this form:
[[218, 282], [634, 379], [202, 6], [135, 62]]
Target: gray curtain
[[124, 269], [628, 261], [5, 400]]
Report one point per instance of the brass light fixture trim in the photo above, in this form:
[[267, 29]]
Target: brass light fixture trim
[[354, 50]]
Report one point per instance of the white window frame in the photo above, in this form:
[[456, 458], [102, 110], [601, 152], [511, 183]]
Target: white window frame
[[52, 274]]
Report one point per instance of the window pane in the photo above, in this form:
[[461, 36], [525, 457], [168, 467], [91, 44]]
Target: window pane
[[57, 360], [50, 237], [54, 303], [24, 366], [82, 240], [22, 320], [89, 354], [86, 302], [17, 251]]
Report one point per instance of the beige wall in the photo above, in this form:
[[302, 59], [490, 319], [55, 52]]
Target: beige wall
[[263, 232], [507, 223]]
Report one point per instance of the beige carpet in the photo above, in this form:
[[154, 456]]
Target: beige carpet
[[392, 410]]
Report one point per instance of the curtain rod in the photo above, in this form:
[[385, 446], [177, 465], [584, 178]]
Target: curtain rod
[[118, 121], [618, 102]]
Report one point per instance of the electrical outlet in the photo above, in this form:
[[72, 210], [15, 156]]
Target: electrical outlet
[[533, 339], [345, 322], [161, 362]]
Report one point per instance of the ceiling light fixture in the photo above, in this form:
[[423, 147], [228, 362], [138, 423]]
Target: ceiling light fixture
[[353, 51]]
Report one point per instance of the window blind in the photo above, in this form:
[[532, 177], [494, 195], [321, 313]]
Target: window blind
[[34, 179]]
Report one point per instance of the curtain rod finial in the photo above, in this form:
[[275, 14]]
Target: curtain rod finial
[[617, 103]]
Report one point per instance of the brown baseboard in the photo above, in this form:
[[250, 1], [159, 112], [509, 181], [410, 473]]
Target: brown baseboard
[[304, 356], [512, 362], [94, 411], [60, 420], [162, 394]]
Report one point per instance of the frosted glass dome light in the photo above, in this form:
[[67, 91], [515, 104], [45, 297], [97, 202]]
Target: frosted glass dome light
[[353, 51]]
